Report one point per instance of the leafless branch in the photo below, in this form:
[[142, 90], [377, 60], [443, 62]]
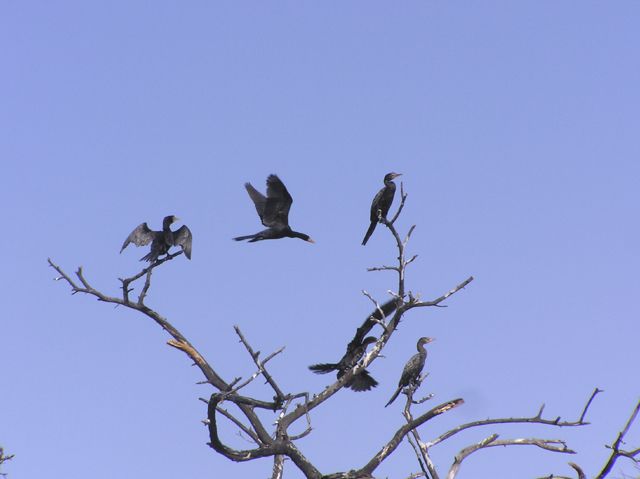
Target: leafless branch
[[397, 438], [403, 198], [278, 466], [178, 341], [595, 392], [537, 419], [554, 445], [383, 268], [260, 364], [439, 300], [146, 271], [579, 471], [3, 459], [420, 448], [616, 452]]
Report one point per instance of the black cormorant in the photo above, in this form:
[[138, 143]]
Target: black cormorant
[[359, 382], [412, 369], [382, 202], [273, 211], [161, 241]]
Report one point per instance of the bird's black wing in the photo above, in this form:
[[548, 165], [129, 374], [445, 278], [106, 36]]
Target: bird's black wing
[[324, 368], [375, 205], [276, 211], [140, 236], [183, 237], [259, 200], [412, 370]]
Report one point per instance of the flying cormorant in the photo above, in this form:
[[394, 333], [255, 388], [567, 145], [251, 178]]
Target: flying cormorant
[[273, 211], [161, 241], [412, 369], [382, 201], [359, 382]]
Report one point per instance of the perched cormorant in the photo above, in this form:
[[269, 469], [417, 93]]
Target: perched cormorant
[[161, 241], [273, 211], [359, 382], [412, 369], [382, 201]]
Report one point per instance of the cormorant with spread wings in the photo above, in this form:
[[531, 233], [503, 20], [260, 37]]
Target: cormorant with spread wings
[[273, 211], [161, 241]]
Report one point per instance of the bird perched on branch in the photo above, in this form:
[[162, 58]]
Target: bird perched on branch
[[381, 203], [273, 211], [161, 241], [359, 382], [412, 369]]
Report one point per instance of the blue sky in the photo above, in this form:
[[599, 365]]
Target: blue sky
[[515, 125]]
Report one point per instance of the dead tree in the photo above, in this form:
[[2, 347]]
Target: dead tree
[[294, 407]]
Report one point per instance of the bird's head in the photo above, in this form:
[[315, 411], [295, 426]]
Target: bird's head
[[168, 220], [368, 340], [391, 176], [425, 340]]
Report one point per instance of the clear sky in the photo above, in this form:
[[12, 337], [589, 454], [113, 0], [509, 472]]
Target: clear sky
[[516, 127]]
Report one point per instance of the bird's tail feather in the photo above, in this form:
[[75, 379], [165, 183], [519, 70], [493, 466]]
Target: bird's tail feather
[[369, 232], [323, 368], [240, 238], [395, 395], [362, 382], [151, 257]]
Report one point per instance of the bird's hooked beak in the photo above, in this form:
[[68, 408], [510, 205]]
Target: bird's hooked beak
[[395, 175], [310, 241]]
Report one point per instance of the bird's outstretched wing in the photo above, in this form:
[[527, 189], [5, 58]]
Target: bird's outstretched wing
[[140, 236], [276, 211], [183, 237], [259, 200]]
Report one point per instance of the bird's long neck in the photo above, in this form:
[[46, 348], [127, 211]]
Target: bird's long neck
[[295, 234]]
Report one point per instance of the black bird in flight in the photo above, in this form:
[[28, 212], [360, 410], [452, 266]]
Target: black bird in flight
[[382, 202], [273, 211], [412, 369], [161, 241], [359, 382]]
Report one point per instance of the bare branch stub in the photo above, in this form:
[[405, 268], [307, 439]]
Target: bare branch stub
[[578, 469]]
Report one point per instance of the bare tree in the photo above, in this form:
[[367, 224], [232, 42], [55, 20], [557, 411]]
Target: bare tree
[[296, 407]]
